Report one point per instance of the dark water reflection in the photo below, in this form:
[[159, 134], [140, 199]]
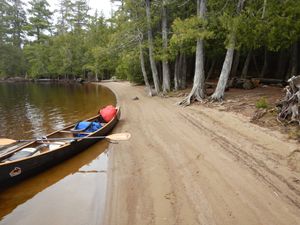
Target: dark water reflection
[[72, 192]]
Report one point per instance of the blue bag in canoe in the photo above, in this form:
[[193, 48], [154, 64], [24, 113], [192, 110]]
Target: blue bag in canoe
[[86, 127]]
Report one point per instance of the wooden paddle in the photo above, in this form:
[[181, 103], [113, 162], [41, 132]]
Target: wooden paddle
[[112, 137]]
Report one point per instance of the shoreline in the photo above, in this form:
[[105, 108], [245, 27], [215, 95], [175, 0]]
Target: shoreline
[[197, 165]]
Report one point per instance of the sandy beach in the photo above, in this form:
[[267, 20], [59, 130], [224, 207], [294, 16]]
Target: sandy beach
[[198, 165]]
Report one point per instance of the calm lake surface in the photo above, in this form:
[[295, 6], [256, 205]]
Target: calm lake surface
[[35, 109], [72, 192]]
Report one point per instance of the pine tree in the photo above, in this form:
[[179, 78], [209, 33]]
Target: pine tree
[[12, 23], [4, 25], [39, 18], [80, 16], [17, 22], [64, 16]]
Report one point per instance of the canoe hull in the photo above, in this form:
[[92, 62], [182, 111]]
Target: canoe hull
[[13, 172]]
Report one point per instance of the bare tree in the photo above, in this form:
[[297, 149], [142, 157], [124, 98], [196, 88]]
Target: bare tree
[[198, 90]]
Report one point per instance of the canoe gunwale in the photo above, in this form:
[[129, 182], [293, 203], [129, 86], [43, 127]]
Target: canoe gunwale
[[67, 144]]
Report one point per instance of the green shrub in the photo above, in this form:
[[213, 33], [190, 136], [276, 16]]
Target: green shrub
[[262, 103]]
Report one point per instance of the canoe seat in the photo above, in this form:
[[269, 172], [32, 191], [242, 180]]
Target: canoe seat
[[55, 145], [25, 152]]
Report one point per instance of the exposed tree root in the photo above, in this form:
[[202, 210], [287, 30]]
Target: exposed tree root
[[192, 97], [216, 97], [290, 105]]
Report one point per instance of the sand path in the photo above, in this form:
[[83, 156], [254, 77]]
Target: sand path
[[197, 165]]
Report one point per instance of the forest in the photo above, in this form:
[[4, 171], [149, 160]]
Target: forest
[[165, 44]]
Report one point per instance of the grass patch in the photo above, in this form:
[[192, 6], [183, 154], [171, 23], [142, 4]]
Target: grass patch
[[262, 103]]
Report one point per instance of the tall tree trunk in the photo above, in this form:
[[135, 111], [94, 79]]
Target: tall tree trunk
[[198, 90], [151, 49], [144, 68], [165, 64], [264, 9], [255, 63], [246, 65], [265, 66], [183, 67], [293, 70], [236, 62], [38, 33], [176, 72], [211, 69], [180, 72], [96, 77], [281, 65], [218, 94]]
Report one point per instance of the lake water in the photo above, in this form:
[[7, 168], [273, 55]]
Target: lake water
[[72, 192], [35, 109]]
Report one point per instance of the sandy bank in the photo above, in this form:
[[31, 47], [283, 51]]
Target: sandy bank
[[198, 165]]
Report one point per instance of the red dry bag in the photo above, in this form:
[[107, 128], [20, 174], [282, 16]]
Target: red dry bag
[[108, 113]]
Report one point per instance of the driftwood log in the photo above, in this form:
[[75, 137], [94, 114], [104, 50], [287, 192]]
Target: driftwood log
[[269, 81], [290, 105]]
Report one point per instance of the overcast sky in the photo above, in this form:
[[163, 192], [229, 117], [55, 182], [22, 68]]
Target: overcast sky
[[101, 5]]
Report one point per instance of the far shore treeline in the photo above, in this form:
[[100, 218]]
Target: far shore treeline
[[167, 43]]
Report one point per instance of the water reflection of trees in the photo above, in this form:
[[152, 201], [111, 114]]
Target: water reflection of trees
[[34, 109], [12, 197]]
